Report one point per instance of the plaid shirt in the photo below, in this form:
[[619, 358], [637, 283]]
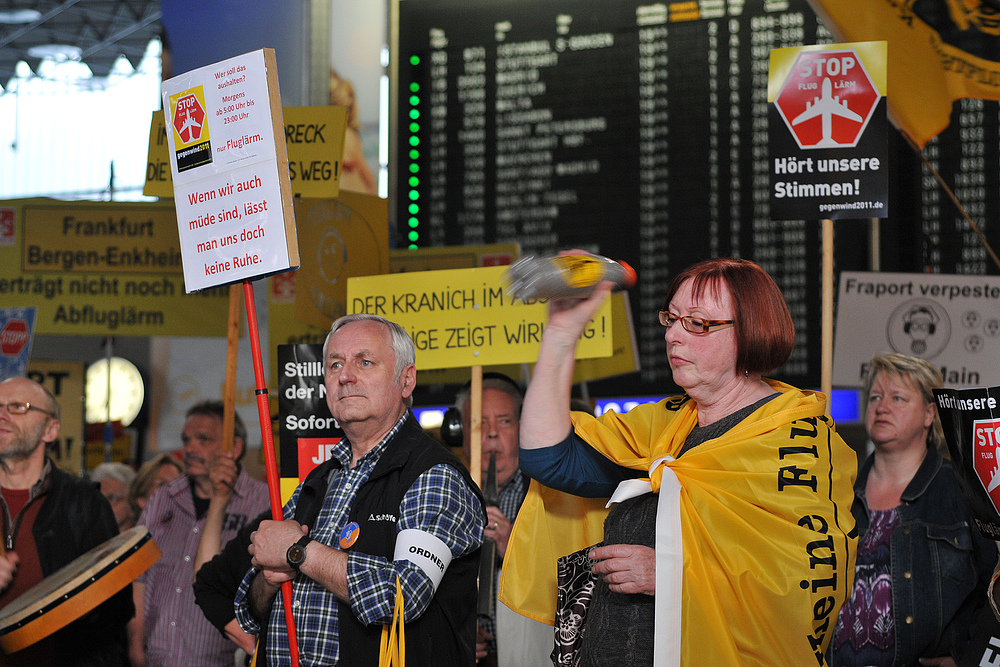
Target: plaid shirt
[[439, 502]]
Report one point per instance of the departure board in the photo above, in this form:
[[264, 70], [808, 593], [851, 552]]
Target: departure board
[[640, 131]]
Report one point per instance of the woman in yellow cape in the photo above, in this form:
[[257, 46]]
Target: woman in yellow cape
[[750, 547]]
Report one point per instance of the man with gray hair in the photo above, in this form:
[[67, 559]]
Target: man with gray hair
[[391, 505], [504, 637]]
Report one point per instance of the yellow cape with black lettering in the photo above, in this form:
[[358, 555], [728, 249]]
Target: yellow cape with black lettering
[[766, 524]]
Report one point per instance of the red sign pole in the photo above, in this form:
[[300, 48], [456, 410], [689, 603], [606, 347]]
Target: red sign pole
[[270, 462]]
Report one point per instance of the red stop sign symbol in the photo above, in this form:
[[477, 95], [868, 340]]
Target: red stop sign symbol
[[14, 337], [827, 99], [189, 118], [986, 456]]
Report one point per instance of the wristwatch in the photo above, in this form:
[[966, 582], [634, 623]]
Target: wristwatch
[[296, 554]]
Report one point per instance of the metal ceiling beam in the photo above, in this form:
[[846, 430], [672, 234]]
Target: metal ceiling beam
[[121, 34], [34, 24]]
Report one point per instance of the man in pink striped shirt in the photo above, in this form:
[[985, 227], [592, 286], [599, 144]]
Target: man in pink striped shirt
[[169, 629]]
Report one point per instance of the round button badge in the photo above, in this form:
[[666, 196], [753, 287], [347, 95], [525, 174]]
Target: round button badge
[[349, 535]]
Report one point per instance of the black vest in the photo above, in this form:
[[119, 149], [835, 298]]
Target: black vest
[[445, 634]]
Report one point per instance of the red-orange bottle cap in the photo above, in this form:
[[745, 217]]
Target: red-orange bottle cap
[[630, 276]]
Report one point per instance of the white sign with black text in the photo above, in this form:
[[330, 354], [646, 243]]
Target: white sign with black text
[[952, 321]]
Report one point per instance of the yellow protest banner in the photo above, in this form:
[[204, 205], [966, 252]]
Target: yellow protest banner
[[159, 182], [339, 238], [624, 356], [65, 379], [100, 268], [462, 317], [938, 52], [314, 137], [315, 140]]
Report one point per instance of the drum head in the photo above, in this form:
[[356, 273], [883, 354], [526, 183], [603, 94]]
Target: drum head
[[76, 588]]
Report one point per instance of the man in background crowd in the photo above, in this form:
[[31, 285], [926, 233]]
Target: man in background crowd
[[50, 518], [169, 629], [519, 642]]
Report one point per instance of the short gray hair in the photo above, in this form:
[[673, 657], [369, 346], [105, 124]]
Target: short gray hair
[[508, 387], [403, 349], [119, 472], [922, 373]]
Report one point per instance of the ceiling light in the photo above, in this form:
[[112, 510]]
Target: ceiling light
[[19, 16], [57, 52]]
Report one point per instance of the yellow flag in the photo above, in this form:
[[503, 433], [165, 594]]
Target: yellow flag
[[938, 52], [766, 526]]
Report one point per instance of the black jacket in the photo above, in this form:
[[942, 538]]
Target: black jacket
[[941, 564], [217, 581], [73, 519], [445, 634]]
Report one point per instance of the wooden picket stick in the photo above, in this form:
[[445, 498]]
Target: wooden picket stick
[[476, 426], [232, 352], [826, 373]]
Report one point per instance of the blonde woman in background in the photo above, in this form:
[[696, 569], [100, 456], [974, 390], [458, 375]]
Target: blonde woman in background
[[153, 474], [355, 174], [922, 567]]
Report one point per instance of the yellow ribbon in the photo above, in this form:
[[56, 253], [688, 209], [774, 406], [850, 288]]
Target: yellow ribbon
[[392, 652]]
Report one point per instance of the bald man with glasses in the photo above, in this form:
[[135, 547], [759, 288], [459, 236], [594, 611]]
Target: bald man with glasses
[[49, 519]]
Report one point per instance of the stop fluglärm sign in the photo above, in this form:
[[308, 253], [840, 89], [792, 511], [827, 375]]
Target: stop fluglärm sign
[[189, 118], [827, 99]]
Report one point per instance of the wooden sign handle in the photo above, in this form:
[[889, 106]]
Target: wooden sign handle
[[476, 426]]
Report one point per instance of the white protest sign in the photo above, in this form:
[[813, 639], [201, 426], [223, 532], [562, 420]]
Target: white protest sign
[[951, 321], [230, 171]]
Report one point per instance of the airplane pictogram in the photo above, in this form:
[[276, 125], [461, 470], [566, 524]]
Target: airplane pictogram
[[827, 107], [995, 473], [189, 125]]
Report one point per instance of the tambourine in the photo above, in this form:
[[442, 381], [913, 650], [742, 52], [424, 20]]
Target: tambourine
[[76, 588]]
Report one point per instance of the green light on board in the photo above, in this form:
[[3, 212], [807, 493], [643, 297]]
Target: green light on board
[[414, 60], [413, 209], [413, 235]]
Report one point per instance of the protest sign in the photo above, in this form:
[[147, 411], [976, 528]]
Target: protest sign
[[230, 171], [463, 317], [306, 428], [971, 421], [827, 127], [16, 327], [952, 321]]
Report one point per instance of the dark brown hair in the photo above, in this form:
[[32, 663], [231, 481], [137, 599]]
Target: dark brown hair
[[765, 334]]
